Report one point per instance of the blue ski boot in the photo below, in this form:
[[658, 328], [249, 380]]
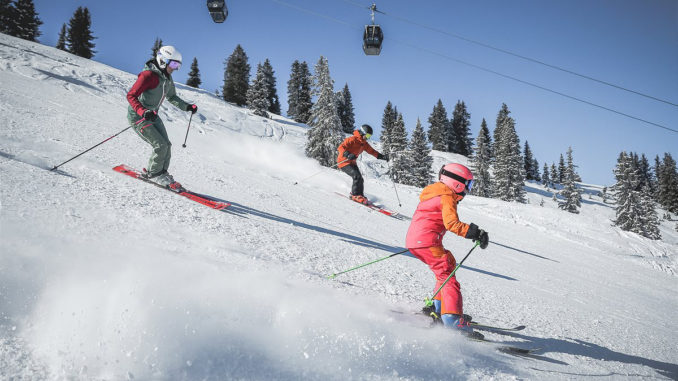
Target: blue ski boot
[[459, 323]]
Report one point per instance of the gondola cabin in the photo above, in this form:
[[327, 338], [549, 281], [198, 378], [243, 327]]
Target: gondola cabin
[[218, 10], [372, 39]]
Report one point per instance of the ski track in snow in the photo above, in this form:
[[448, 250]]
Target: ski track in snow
[[105, 277]]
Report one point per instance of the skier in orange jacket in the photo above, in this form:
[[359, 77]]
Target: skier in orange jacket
[[436, 214], [349, 150]]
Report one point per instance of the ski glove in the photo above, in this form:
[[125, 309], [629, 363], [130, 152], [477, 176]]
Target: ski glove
[[382, 157], [192, 108], [150, 115], [477, 234], [484, 239], [349, 156]]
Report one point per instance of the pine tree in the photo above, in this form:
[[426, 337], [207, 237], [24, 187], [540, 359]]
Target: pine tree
[[304, 97], [509, 174], [7, 18], [570, 192], [257, 93], [628, 199], [400, 166], [293, 90], [481, 162], [236, 77], [657, 170], [269, 75], [646, 177], [346, 113], [561, 169], [545, 178], [79, 34], [667, 183], [61, 42], [194, 75], [528, 162], [26, 20], [501, 116], [387, 122], [420, 158], [535, 171], [437, 131], [634, 211], [554, 174], [325, 134], [156, 46], [649, 220], [458, 139], [299, 92]]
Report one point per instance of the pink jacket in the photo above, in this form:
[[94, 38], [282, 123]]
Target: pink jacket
[[435, 215]]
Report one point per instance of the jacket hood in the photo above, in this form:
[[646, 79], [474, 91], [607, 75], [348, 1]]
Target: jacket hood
[[153, 66], [357, 134]]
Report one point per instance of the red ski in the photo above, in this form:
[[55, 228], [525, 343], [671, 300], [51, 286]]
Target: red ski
[[373, 206], [218, 205]]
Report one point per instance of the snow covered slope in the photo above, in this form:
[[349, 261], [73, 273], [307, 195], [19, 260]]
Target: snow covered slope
[[105, 277]]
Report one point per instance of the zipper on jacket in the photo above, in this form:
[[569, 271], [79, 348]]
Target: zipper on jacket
[[163, 95]]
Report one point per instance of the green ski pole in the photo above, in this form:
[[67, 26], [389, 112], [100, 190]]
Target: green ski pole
[[366, 264], [429, 301]]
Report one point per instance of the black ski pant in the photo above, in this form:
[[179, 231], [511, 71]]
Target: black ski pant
[[358, 182]]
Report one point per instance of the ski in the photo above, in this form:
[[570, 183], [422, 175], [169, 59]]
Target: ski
[[480, 326], [373, 206], [509, 349], [484, 327], [218, 205]]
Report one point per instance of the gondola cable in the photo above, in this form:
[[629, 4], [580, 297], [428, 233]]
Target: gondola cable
[[485, 45], [484, 69]]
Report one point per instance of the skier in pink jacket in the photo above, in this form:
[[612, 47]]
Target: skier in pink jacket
[[435, 215]]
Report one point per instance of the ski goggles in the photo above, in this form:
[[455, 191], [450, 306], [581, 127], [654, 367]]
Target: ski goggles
[[367, 136], [175, 65], [467, 183]]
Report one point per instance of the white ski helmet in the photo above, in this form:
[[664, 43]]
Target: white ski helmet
[[457, 177], [166, 54]]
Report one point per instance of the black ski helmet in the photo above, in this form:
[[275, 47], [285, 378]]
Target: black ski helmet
[[365, 129]]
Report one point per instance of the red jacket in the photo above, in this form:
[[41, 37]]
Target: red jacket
[[355, 144], [435, 215]]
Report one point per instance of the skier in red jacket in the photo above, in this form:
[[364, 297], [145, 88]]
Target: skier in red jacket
[[349, 150], [436, 214], [155, 84]]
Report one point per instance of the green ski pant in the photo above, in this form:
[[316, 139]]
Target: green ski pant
[[155, 134]]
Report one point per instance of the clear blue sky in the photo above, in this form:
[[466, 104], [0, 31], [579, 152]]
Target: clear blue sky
[[633, 44]]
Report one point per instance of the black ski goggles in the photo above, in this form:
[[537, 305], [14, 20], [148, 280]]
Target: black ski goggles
[[467, 183]]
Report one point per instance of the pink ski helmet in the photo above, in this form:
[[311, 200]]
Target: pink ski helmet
[[457, 177]]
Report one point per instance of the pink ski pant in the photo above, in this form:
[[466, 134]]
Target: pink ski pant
[[442, 263]]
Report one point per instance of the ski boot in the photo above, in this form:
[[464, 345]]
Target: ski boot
[[360, 199], [165, 180], [433, 311], [464, 327]]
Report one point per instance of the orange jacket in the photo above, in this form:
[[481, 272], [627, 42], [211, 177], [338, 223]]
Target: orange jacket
[[355, 144], [436, 214]]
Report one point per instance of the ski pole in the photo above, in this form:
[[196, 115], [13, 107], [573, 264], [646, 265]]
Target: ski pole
[[189, 127], [366, 264], [84, 152], [302, 180], [429, 301], [394, 187]]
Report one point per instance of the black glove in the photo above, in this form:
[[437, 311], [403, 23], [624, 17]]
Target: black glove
[[192, 108], [382, 157], [349, 155], [150, 115], [484, 239], [477, 234]]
